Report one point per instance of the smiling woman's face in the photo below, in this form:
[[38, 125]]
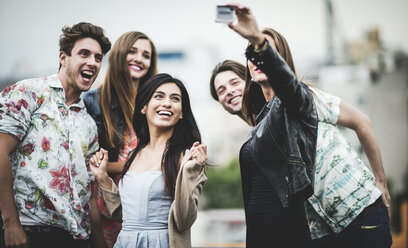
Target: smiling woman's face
[[164, 109], [139, 58]]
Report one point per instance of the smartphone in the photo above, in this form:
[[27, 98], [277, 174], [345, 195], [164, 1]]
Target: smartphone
[[225, 14]]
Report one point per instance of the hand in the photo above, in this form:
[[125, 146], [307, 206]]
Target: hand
[[15, 236], [198, 152], [386, 198], [246, 25], [99, 164]]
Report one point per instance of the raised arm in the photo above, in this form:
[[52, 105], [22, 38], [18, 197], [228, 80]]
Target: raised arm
[[352, 118], [246, 25], [189, 185], [98, 165], [294, 94], [14, 234]]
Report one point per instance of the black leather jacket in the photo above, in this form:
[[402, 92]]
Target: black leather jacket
[[283, 143], [91, 100]]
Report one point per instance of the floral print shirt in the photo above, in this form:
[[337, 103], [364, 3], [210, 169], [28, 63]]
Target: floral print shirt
[[52, 180], [129, 143], [343, 184]]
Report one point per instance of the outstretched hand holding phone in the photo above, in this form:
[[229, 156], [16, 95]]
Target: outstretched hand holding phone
[[246, 25]]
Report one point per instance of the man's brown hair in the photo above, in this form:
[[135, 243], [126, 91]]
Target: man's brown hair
[[81, 30], [226, 65]]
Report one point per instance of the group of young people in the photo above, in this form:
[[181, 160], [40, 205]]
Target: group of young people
[[123, 165], [58, 146], [303, 184]]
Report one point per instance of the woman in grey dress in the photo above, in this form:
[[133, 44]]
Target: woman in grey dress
[[163, 177]]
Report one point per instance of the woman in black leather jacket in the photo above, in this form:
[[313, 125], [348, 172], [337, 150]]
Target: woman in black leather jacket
[[278, 158], [132, 61]]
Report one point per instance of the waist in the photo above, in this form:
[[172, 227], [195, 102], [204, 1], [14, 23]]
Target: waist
[[261, 189], [73, 223], [43, 228], [144, 226], [376, 205], [55, 233]]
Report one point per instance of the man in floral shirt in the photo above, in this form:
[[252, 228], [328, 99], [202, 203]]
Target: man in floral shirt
[[46, 139]]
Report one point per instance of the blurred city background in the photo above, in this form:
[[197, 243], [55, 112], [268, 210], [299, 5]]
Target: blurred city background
[[355, 49]]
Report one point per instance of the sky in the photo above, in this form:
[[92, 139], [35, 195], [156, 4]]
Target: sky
[[30, 29]]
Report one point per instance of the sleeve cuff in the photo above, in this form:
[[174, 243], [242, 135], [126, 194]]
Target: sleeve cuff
[[114, 188]]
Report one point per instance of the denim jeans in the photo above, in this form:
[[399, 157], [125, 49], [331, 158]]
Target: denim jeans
[[368, 230]]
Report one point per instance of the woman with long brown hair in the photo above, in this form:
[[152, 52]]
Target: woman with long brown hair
[[132, 61], [159, 191], [348, 196], [278, 157]]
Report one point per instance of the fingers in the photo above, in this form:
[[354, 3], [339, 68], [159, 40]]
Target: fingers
[[195, 145], [387, 204], [99, 157], [238, 7], [385, 196], [95, 160], [199, 153], [235, 5], [15, 236], [385, 200], [104, 153], [240, 10], [188, 154], [92, 162]]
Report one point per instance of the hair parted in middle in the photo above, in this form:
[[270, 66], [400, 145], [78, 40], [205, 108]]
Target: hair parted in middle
[[118, 83], [184, 135], [254, 99]]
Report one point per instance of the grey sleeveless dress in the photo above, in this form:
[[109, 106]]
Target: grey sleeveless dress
[[145, 211]]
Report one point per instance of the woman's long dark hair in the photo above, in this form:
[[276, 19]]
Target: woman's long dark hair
[[185, 132]]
